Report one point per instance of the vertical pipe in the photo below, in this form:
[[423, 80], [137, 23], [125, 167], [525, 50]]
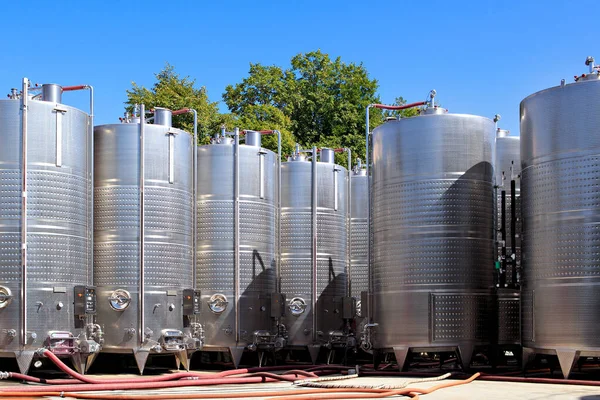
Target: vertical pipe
[[513, 232], [91, 177], [278, 211], [348, 227], [369, 217], [24, 106], [502, 273], [141, 300], [236, 230], [195, 198], [314, 205]]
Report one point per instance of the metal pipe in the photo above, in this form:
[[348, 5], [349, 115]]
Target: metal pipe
[[369, 180], [348, 222], [314, 205], [194, 185], [142, 288], [24, 106], [236, 230], [348, 152], [396, 108], [502, 272], [278, 261], [513, 233]]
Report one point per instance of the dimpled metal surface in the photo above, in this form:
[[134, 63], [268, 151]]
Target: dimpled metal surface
[[168, 228], [296, 238], [433, 230], [59, 202], [359, 231], [560, 152], [257, 229]]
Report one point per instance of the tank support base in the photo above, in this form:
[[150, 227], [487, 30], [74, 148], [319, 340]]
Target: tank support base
[[24, 359], [401, 353], [313, 350], [141, 356], [181, 358], [236, 355]]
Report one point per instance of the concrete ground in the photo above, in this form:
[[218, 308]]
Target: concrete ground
[[484, 390]]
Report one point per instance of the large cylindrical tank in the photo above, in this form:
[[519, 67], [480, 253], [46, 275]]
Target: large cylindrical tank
[[313, 246], [227, 324], [143, 231], [508, 168], [46, 194], [359, 245], [433, 231], [560, 150]]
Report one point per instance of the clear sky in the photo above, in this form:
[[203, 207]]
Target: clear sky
[[482, 57]]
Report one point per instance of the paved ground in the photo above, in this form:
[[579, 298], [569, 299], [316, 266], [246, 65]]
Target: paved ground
[[476, 390]]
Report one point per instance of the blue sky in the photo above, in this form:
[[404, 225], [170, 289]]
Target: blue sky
[[482, 57]]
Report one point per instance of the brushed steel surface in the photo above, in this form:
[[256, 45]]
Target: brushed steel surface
[[215, 245], [58, 219], [359, 217], [560, 153], [168, 234], [296, 247], [433, 230]]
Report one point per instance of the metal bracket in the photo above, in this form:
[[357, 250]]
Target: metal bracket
[[60, 111]]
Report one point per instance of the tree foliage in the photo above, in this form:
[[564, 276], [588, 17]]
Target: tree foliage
[[323, 98], [174, 92]]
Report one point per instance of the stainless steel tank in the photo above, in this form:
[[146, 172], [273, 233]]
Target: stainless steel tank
[[144, 230], [236, 242], [433, 233], [359, 218], [314, 248], [45, 227], [560, 149], [508, 170]]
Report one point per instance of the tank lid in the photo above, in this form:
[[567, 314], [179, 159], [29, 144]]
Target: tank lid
[[359, 172], [163, 116], [327, 155], [500, 133], [434, 110], [594, 71], [52, 92], [296, 157], [253, 138]]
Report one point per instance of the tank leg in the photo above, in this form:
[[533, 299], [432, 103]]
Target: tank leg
[[527, 356], [236, 355], [401, 353], [82, 362], [313, 350], [566, 359], [181, 358], [465, 353], [141, 356], [24, 360]]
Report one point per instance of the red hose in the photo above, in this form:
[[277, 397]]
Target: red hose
[[178, 375], [263, 132], [72, 88], [84, 387], [182, 111], [402, 107]]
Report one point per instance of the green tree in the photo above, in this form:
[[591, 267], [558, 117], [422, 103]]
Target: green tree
[[174, 92], [324, 99]]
